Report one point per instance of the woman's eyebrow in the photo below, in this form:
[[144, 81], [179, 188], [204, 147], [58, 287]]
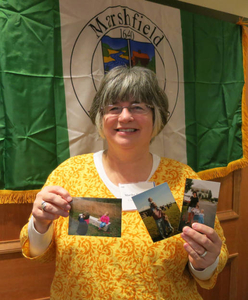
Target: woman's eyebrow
[[131, 102]]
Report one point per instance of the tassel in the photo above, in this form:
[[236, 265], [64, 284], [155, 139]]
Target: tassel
[[17, 197]]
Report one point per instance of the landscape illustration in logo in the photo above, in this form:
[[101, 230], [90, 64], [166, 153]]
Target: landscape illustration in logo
[[118, 51]]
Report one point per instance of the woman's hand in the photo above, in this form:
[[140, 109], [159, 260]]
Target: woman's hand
[[202, 244], [57, 201]]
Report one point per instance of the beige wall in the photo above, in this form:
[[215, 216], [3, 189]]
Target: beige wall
[[235, 7]]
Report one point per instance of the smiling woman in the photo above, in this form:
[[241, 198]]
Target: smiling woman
[[129, 109]]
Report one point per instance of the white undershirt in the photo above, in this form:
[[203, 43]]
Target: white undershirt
[[114, 189], [39, 242]]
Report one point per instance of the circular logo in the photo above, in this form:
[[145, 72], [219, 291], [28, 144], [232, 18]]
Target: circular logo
[[120, 35]]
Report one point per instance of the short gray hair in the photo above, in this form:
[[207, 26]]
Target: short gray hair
[[136, 83]]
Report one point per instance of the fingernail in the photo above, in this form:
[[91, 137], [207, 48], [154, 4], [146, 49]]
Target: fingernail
[[194, 225], [185, 229]]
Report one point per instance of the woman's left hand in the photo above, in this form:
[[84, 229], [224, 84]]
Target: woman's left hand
[[202, 244]]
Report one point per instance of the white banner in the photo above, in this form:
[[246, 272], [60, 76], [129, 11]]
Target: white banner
[[98, 35]]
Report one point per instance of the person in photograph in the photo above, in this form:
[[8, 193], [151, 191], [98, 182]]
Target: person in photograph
[[196, 212], [84, 217], [83, 220], [168, 224], [161, 219], [129, 110], [194, 200], [104, 220], [158, 218], [201, 217]]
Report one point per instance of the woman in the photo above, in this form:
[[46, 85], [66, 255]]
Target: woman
[[161, 219], [129, 110], [104, 220], [194, 201], [83, 221], [158, 217]]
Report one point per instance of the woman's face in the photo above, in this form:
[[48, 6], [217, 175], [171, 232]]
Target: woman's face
[[128, 130]]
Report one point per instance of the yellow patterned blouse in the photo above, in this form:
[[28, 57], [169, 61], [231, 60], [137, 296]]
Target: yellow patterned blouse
[[130, 267]]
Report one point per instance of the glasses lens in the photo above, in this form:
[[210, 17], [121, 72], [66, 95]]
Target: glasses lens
[[113, 110], [138, 109]]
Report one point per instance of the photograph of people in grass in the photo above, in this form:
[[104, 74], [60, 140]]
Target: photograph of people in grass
[[199, 202], [95, 217], [159, 212]]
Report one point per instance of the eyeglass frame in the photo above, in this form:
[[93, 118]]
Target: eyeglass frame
[[136, 104]]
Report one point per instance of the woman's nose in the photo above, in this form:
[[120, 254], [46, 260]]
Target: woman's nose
[[125, 115]]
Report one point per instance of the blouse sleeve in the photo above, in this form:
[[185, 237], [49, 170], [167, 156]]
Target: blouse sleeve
[[56, 178], [47, 256], [209, 284]]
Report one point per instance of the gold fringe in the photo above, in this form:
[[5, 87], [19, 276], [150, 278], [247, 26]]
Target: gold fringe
[[17, 197], [242, 22], [223, 171], [243, 162]]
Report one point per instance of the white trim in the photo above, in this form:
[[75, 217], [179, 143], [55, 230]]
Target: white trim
[[114, 189]]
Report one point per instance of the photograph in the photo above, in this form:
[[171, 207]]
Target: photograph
[[159, 212], [95, 217], [199, 202]]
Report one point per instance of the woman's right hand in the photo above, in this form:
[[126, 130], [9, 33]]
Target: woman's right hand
[[57, 204]]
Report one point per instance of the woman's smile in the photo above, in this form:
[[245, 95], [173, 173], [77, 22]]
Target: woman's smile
[[126, 129]]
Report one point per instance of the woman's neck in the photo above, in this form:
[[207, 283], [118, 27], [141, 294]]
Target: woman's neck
[[127, 167]]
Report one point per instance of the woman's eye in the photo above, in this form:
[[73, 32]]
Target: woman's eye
[[114, 108], [137, 107]]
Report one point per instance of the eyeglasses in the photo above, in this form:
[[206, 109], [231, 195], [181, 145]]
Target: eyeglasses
[[134, 109]]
